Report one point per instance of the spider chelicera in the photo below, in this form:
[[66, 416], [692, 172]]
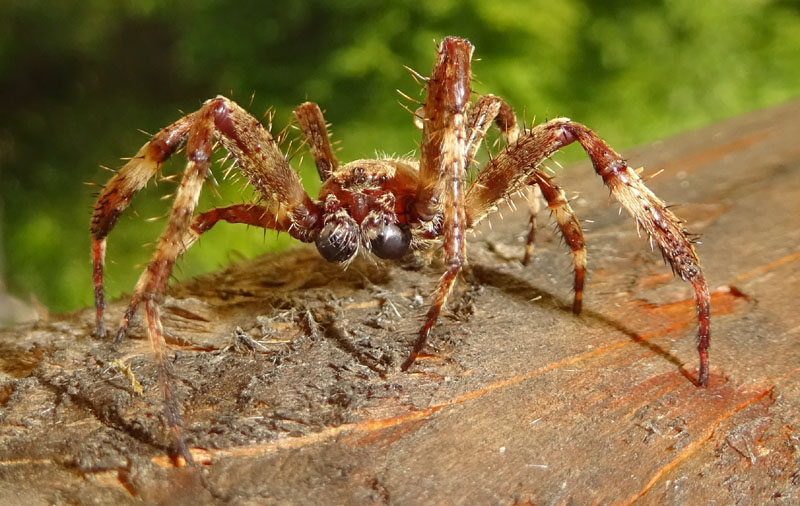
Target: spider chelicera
[[387, 207]]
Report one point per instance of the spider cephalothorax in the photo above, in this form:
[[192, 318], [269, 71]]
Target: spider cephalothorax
[[364, 205], [388, 206]]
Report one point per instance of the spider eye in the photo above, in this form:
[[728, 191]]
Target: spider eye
[[392, 242], [337, 242]]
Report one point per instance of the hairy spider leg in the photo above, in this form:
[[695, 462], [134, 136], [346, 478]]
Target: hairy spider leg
[[312, 124], [506, 172], [490, 108], [441, 190], [485, 110], [118, 192], [154, 279], [570, 229], [258, 157], [533, 198]]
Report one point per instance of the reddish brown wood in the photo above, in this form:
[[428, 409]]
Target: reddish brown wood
[[523, 402]]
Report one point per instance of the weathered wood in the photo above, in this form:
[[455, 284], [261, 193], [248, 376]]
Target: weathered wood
[[522, 402]]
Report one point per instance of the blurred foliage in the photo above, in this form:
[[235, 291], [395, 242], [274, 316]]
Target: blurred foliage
[[79, 77]]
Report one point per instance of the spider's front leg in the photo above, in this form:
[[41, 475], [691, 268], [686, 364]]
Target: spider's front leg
[[256, 154], [312, 124], [517, 164], [116, 195], [440, 195]]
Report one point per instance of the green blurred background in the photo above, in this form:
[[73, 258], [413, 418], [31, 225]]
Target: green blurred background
[[79, 78]]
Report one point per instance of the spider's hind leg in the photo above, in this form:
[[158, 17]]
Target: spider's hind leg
[[512, 167], [570, 229]]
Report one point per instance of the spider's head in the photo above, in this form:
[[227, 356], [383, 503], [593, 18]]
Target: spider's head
[[363, 206]]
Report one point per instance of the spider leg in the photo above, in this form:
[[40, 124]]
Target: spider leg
[[440, 195], [312, 124], [249, 214], [258, 157], [486, 109], [506, 172], [118, 192], [534, 202], [570, 229], [171, 405], [153, 280]]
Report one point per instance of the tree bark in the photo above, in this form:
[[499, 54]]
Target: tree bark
[[287, 367]]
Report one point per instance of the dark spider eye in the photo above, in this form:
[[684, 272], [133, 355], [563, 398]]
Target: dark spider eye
[[337, 242], [392, 242]]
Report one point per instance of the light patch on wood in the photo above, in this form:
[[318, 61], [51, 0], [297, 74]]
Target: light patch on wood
[[126, 371]]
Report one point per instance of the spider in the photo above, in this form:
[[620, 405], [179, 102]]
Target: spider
[[386, 207]]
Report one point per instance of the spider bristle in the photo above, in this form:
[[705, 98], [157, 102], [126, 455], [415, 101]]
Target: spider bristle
[[155, 218], [215, 190], [167, 196], [169, 179], [281, 136], [252, 99], [108, 169], [144, 132], [651, 176], [270, 116], [92, 183], [226, 172], [511, 205], [264, 115], [407, 108], [414, 100], [416, 75]]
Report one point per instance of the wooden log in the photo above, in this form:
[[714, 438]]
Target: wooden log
[[288, 367]]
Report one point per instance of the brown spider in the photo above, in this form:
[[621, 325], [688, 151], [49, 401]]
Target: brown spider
[[387, 207]]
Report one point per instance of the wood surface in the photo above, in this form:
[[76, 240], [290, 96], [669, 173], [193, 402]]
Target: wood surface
[[518, 400]]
